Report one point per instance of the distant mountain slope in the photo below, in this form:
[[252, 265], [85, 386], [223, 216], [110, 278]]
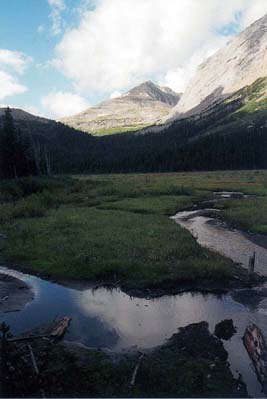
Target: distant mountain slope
[[243, 110], [142, 106], [235, 66], [231, 134], [20, 115]]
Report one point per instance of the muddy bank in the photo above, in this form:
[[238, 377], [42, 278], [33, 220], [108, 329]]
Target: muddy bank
[[192, 363], [258, 239], [14, 294], [240, 279]]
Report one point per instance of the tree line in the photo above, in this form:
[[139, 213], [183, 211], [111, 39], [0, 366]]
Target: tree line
[[203, 143]]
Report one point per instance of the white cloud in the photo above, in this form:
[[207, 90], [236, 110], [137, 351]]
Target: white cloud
[[115, 94], [13, 59], [60, 104], [57, 7], [120, 43], [179, 77], [11, 63], [9, 85]]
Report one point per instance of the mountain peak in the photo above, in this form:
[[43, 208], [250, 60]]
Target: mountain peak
[[240, 63], [141, 106], [155, 92]]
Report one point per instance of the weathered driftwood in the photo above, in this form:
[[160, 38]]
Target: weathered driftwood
[[54, 330], [29, 338], [132, 382], [256, 347], [61, 327]]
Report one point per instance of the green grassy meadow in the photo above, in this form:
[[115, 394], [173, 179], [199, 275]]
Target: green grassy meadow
[[116, 228]]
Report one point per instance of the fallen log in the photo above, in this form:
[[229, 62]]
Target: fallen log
[[55, 330], [28, 338], [256, 347], [61, 327]]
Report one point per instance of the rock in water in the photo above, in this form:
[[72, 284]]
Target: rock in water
[[225, 329]]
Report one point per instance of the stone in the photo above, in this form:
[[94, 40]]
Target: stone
[[225, 329], [237, 65]]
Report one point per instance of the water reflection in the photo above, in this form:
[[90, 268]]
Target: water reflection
[[112, 319], [252, 298], [52, 301], [147, 323]]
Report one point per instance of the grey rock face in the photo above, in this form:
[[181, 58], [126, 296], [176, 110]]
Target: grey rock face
[[143, 105], [239, 64]]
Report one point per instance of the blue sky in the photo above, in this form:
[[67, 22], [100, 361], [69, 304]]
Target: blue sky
[[58, 57], [25, 26]]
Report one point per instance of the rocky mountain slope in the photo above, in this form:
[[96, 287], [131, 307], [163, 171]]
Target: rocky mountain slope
[[142, 106], [229, 135], [239, 64]]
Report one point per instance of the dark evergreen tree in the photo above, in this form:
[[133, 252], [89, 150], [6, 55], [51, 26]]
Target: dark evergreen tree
[[8, 147], [15, 156]]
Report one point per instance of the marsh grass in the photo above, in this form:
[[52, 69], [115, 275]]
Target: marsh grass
[[162, 204], [116, 228], [35, 205], [247, 214], [13, 190], [139, 250]]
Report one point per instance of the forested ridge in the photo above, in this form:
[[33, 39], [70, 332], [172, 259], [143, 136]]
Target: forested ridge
[[230, 135]]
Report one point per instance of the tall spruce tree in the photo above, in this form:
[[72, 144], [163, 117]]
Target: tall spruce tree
[[15, 157], [8, 147]]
